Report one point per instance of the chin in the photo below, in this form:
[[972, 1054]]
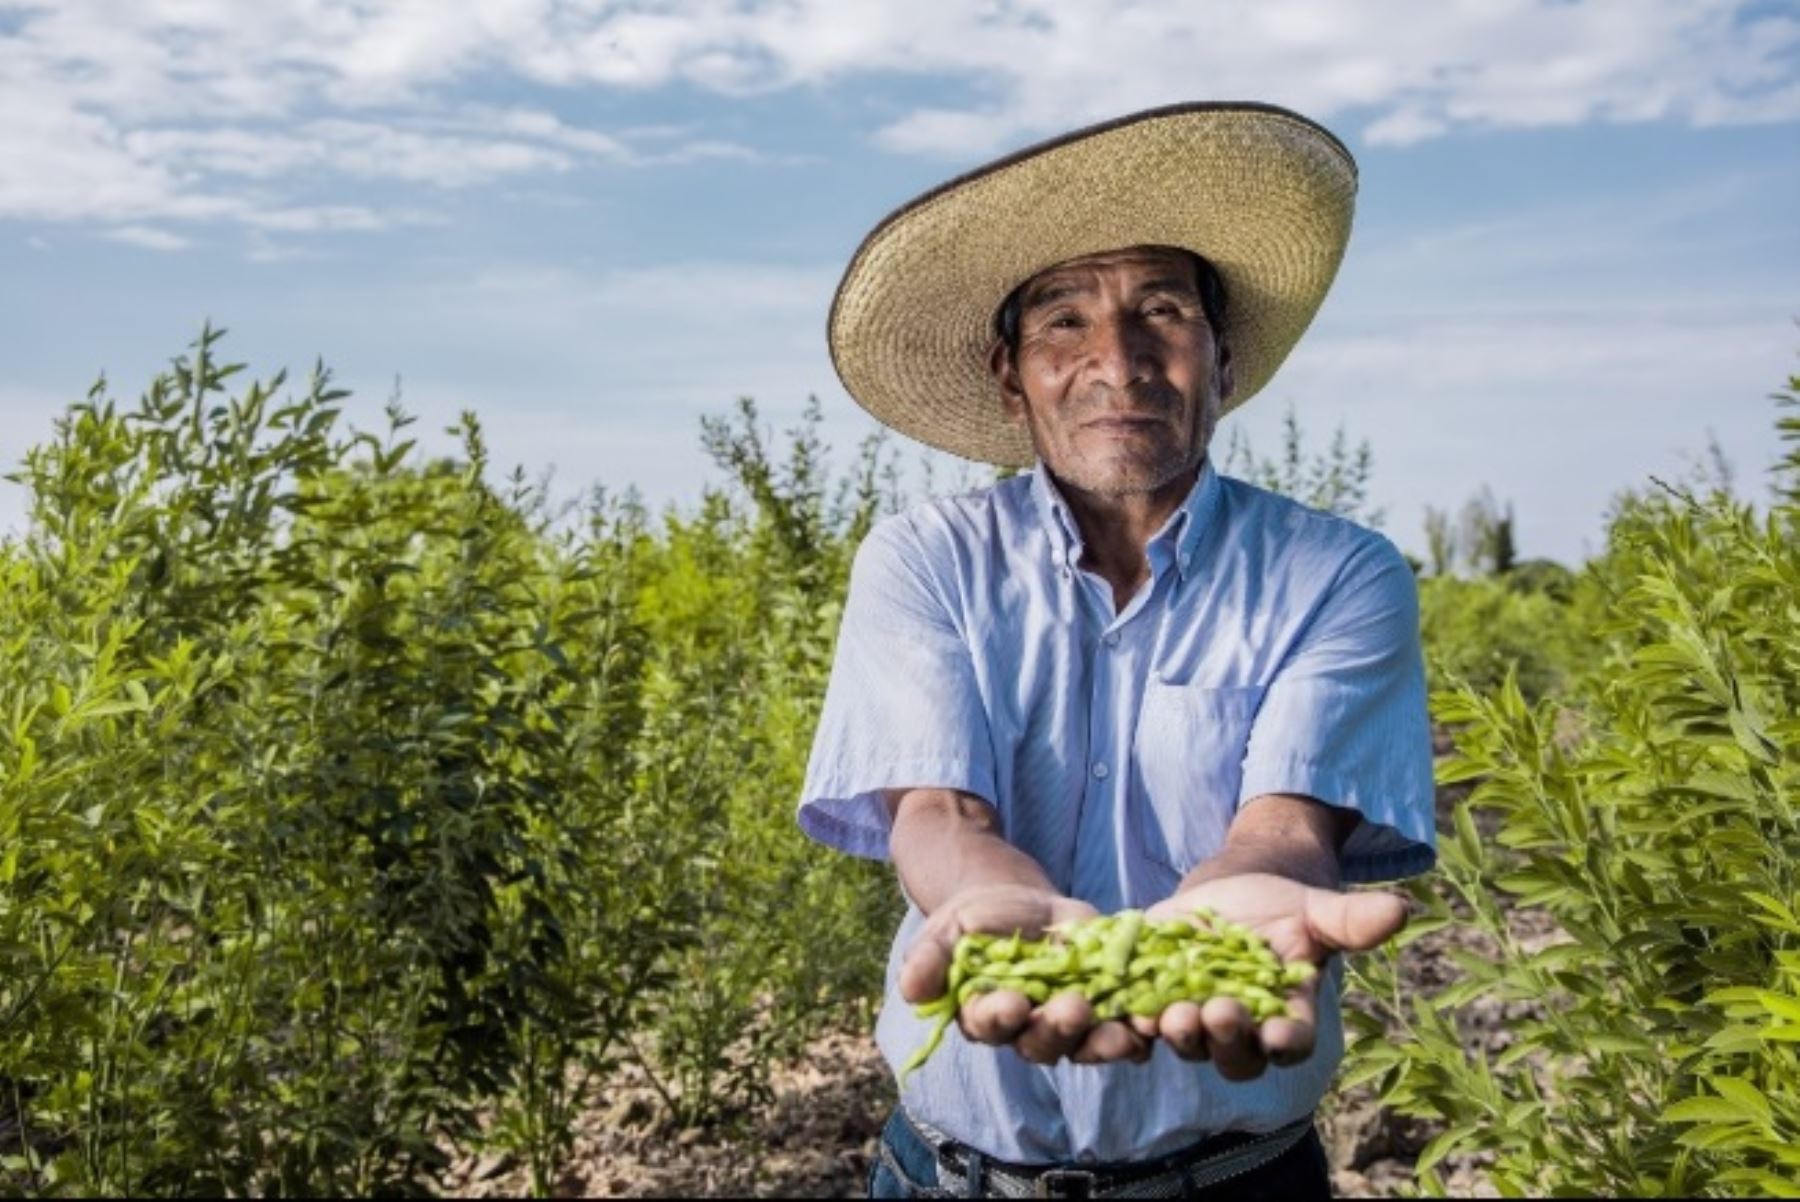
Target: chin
[[1123, 476]]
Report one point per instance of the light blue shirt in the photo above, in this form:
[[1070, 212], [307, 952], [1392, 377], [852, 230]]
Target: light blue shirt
[[1275, 649]]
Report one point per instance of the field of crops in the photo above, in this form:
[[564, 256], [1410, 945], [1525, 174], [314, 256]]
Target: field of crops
[[370, 823]]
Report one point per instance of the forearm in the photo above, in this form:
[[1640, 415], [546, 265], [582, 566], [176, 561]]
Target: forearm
[[1293, 837], [944, 842]]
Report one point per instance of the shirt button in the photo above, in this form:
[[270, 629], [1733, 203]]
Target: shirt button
[[1112, 638], [1100, 770]]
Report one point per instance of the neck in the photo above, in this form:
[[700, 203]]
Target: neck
[[1116, 529]]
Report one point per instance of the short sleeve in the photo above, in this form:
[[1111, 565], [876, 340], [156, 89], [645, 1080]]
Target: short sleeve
[[1345, 718], [902, 709]]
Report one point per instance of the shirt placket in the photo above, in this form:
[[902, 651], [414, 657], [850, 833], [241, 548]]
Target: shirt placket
[[1102, 844]]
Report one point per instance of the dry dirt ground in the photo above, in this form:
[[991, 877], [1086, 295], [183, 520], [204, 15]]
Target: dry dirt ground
[[817, 1136]]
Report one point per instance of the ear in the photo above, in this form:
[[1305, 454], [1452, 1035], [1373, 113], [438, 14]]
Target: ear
[[1227, 379], [1004, 368]]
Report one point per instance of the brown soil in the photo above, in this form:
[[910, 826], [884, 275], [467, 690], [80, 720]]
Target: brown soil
[[818, 1136], [814, 1140]]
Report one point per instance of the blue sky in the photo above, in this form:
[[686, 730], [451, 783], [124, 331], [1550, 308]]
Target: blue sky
[[1576, 256]]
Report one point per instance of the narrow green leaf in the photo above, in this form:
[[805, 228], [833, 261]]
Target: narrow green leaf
[[1780, 1005], [1440, 1147], [1742, 1093], [1706, 1110]]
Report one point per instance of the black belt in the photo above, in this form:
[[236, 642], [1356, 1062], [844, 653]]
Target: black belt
[[964, 1172]]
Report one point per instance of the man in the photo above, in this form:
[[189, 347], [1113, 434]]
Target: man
[[1121, 679]]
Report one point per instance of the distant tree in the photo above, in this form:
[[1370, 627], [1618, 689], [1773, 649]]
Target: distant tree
[[1501, 551], [1486, 534], [1441, 547]]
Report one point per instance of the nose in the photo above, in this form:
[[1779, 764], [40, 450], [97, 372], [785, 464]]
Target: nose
[[1121, 351]]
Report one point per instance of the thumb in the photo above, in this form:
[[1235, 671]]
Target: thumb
[[1353, 922], [925, 972]]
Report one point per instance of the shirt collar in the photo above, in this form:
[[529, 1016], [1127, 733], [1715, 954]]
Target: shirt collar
[[1179, 537]]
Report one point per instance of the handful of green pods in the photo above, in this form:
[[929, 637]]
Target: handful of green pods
[[1124, 964]]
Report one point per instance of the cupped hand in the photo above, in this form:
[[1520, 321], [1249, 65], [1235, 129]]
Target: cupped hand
[[1062, 1027], [1300, 922]]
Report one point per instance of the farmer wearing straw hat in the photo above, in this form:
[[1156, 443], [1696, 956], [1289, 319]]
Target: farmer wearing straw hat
[[1119, 679]]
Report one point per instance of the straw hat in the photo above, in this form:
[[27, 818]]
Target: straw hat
[[1264, 194]]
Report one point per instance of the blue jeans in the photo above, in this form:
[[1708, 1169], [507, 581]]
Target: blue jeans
[[1301, 1172]]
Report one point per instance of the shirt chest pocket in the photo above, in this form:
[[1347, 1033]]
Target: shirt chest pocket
[[1189, 759]]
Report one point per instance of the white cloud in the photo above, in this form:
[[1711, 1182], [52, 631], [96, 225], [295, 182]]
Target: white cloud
[[323, 217], [206, 110], [1405, 125], [140, 110], [148, 237], [355, 148], [1420, 69], [264, 249]]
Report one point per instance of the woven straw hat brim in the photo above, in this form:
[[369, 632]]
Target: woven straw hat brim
[[1266, 195]]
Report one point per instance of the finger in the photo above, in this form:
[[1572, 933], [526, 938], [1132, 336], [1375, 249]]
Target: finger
[[925, 973], [1353, 922], [1109, 1041], [994, 1018], [1290, 1040], [1232, 1040], [1055, 1029], [1181, 1028], [1145, 1025]]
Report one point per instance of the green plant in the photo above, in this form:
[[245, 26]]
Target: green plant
[[742, 615], [1652, 829], [1335, 480], [1480, 631], [353, 808]]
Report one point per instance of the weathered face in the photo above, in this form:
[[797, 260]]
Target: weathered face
[[1118, 377]]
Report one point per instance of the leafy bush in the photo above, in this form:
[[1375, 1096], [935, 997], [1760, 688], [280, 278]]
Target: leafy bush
[[1656, 826], [742, 609], [350, 806], [1480, 631], [1541, 576]]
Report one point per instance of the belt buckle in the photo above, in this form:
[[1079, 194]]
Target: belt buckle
[[1064, 1183]]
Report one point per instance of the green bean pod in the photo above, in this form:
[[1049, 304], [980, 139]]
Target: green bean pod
[[1125, 964]]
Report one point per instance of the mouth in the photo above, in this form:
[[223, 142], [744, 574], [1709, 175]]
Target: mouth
[[1123, 424]]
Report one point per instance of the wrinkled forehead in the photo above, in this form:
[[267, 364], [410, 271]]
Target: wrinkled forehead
[[1166, 266]]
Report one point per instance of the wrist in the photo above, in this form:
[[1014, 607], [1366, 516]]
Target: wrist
[[1304, 865], [1283, 835]]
